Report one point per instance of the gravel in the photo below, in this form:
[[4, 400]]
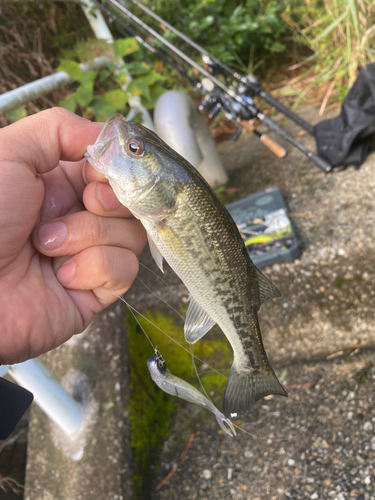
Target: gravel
[[318, 443]]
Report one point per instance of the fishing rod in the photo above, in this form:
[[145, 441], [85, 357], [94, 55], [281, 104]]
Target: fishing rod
[[279, 151], [250, 81], [220, 100], [131, 31]]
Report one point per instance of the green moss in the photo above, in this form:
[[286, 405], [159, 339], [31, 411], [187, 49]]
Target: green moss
[[339, 282], [150, 409], [362, 376]]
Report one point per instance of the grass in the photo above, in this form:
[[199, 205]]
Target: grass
[[340, 36], [151, 410]]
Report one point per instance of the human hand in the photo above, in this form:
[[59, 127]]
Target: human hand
[[59, 263]]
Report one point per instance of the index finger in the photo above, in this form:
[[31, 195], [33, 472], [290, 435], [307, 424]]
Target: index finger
[[41, 140]]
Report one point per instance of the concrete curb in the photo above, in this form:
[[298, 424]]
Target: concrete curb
[[93, 367]]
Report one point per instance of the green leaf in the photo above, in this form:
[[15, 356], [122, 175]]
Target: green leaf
[[71, 67], [155, 92], [104, 74], [69, 103], [84, 94], [116, 98], [137, 68], [87, 77], [91, 48], [332, 26], [139, 88], [277, 47], [102, 109], [125, 46], [17, 114], [121, 78], [151, 78]]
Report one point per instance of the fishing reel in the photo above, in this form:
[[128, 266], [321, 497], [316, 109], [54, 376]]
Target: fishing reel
[[248, 85], [217, 101], [213, 67]]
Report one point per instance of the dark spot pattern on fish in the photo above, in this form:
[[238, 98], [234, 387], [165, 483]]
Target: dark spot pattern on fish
[[201, 242]]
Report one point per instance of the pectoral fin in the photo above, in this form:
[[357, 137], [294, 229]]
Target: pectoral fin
[[197, 322], [157, 256]]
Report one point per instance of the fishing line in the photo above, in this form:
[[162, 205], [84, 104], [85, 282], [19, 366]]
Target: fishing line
[[274, 414], [160, 298], [196, 372], [245, 423], [136, 319], [165, 333], [262, 422], [248, 423], [164, 282], [221, 371]]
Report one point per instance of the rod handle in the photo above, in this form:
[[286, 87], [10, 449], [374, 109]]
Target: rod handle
[[276, 149], [272, 125]]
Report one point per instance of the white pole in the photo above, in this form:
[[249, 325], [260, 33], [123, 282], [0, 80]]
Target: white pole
[[17, 97], [65, 411], [179, 124], [96, 20], [101, 31]]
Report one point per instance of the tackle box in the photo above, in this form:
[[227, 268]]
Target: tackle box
[[265, 227]]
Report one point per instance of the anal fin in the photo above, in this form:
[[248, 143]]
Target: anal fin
[[197, 322]]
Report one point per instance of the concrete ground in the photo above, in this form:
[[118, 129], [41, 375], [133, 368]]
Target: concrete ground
[[97, 463], [320, 337], [319, 443]]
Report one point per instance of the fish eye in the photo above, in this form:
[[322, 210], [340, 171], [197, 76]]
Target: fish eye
[[161, 364], [135, 147]]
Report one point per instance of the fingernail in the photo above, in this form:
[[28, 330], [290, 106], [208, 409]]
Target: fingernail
[[84, 172], [51, 235], [66, 273], [106, 197]]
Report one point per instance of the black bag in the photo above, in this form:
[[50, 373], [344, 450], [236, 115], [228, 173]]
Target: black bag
[[346, 140], [14, 401]]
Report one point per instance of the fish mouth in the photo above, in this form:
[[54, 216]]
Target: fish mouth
[[97, 150], [101, 154], [107, 147]]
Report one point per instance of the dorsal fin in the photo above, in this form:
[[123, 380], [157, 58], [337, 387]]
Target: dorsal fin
[[267, 289]]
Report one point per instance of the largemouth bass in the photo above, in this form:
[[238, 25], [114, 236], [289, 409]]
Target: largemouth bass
[[175, 386], [188, 225]]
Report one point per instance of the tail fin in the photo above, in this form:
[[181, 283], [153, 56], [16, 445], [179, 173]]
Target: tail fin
[[243, 390]]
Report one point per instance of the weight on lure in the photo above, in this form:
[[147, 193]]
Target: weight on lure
[[175, 386], [188, 225]]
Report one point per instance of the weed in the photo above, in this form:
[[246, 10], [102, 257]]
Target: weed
[[150, 409], [339, 34], [362, 376]]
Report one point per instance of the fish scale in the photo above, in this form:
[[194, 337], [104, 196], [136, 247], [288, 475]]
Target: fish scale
[[190, 228]]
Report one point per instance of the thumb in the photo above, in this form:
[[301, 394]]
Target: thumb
[[41, 140], [28, 148]]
